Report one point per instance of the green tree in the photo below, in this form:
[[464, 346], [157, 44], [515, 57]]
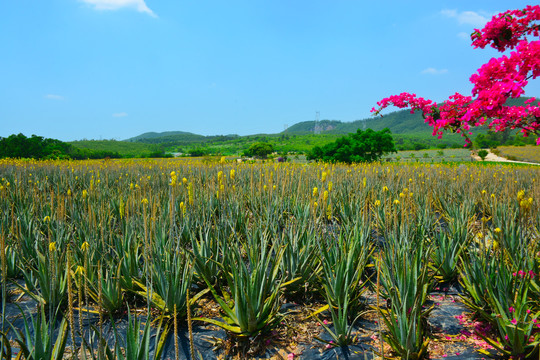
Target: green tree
[[260, 150], [37, 147], [483, 153], [362, 146]]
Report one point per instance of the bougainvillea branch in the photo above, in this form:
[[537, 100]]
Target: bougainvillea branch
[[494, 82]]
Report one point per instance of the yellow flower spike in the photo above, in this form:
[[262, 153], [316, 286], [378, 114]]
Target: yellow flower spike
[[377, 202], [47, 218], [84, 194], [184, 181], [520, 195], [274, 187], [497, 230], [401, 195], [396, 202], [52, 246], [183, 208], [315, 192], [484, 192], [493, 196], [364, 182], [385, 188], [315, 204], [329, 212], [325, 196], [173, 178], [131, 186], [223, 160], [144, 201], [79, 270], [323, 176], [190, 193], [330, 186], [232, 174], [264, 187]]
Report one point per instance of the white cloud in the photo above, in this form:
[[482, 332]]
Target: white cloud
[[449, 13], [54, 97], [120, 114], [464, 35], [433, 71], [138, 5], [467, 17]]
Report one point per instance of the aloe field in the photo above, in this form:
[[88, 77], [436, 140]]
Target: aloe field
[[135, 259]]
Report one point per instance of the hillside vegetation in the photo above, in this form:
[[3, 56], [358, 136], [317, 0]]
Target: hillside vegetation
[[122, 148]]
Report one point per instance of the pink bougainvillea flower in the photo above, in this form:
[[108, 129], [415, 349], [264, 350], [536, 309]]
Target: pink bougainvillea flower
[[493, 84]]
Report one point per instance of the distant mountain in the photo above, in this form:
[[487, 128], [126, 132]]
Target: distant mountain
[[399, 122], [155, 137], [308, 127]]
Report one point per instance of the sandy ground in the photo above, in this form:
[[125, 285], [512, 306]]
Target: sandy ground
[[492, 157]]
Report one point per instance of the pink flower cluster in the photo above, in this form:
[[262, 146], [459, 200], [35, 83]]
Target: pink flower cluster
[[481, 330], [494, 83], [522, 274]]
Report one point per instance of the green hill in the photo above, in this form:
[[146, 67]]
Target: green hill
[[123, 148], [399, 122], [155, 137], [410, 132]]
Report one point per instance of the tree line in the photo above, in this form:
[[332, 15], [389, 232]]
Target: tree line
[[38, 147]]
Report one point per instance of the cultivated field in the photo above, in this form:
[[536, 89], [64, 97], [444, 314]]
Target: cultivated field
[[529, 153], [284, 258], [431, 156]]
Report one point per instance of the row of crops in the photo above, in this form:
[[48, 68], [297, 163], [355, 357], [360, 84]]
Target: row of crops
[[89, 241]]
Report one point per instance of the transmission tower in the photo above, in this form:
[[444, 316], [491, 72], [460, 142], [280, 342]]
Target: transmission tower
[[317, 129]]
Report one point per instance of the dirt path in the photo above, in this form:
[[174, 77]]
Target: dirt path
[[492, 157]]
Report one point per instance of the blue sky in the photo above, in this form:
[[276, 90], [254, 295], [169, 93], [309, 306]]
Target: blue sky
[[113, 69]]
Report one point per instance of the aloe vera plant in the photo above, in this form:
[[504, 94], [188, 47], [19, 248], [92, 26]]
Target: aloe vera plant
[[300, 258], [38, 342], [135, 345], [448, 246], [130, 256], [12, 259], [514, 314], [207, 249], [112, 294], [253, 305], [406, 281], [343, 262], [137, 342], [172, 276], [47, 283], [479, 269], [501, 295]]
